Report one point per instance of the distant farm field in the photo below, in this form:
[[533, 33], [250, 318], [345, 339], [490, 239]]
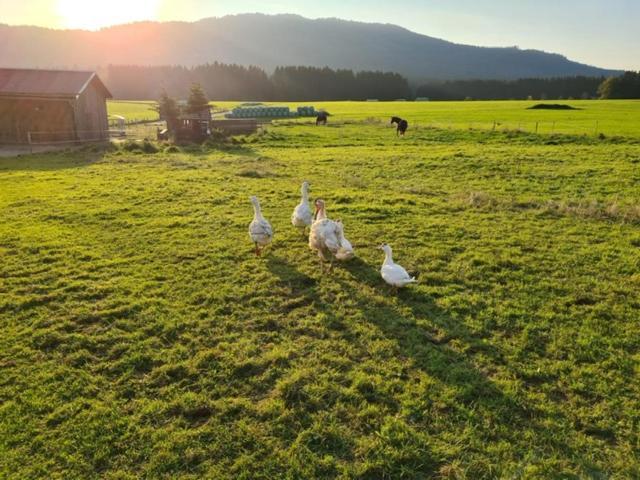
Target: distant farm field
[[141, 338], [133, 111], [591, 117]]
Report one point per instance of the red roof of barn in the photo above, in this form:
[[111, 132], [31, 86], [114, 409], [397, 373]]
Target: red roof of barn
[[46, 83]]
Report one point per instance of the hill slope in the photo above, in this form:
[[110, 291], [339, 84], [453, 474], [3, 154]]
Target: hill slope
[[269, 41]]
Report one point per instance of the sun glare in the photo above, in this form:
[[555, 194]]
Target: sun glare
[[95, 14]]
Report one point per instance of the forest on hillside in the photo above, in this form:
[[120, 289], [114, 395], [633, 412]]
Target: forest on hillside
[[222, 81], [233, 82]]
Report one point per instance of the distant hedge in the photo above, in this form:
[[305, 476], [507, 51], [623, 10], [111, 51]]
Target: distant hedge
[[523, 89], [624, 86]]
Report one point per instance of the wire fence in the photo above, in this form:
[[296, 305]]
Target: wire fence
[[149, 130], [140, 131], [534, 127], [537, 127], [133, 132], [67, 137], [131, 121]]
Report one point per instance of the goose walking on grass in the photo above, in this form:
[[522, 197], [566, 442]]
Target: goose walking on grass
[[345, 251], [302, 216], [327, 238], [392, 273], [260, 229]]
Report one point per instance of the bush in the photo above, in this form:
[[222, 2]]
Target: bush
[[216, 139], [135, 147], [148, 147], [624, 86], [217, 136], [131, 146], [111, 147]]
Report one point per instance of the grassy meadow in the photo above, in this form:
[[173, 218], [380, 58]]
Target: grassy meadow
[[133, 111], [141, 338], [591, 117]]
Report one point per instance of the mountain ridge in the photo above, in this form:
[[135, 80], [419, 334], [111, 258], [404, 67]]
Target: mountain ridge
[[268, 41]]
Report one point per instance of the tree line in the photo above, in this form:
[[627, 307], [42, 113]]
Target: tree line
[[624, 86], [523, 89], [234, 82], [310, 83]]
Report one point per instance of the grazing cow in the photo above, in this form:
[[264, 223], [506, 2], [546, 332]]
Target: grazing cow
[[322, 118], [402, 125]]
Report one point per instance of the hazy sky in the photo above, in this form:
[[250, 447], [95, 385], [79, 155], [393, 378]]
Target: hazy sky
[[599, 32]]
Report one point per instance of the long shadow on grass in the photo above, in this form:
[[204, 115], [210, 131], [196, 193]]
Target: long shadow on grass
[[228, 148], [60, 160], [87, 156], [425, 336]]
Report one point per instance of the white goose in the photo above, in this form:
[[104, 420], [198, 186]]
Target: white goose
[[302, 216], [345, 252], [327, 239], [392, 273], [260, 229]]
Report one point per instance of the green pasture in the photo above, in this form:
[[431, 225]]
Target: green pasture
[[591, 117], [141, 338], [137, 111]]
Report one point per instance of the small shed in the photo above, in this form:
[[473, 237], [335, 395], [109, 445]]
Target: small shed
[[194, 126], [50, 106]]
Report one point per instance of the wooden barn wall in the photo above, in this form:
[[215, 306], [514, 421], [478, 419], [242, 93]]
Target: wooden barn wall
[[48, 120], [91, 114]]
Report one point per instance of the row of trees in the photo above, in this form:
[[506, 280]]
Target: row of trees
[[234, 82], [527, 88], [625, 86], [310, 83]]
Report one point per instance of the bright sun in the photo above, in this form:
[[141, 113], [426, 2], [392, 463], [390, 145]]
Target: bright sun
[[95, 14]]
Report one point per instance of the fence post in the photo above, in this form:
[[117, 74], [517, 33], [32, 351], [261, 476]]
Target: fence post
[[553, 127], [596, 127], [29, 140], [536, 127]]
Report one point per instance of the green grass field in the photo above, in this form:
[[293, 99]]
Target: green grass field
[[610, 117], [142, 339], [133, 111]]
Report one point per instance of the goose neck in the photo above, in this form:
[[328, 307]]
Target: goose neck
[[321, 214], [256, 209]]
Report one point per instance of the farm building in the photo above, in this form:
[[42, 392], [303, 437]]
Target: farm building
[[46, 106], [194, 126]]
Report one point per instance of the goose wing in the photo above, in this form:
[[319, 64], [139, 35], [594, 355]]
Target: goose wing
[[324, 236], [302, 216], [260, 229], [395, 275], [345, 252]]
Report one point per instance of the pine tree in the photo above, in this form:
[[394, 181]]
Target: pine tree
[[168, 109], [197, 99]]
